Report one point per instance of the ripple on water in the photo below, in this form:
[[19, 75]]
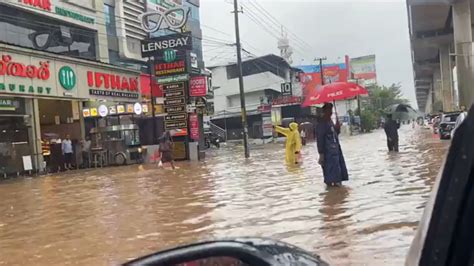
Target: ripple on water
[[107, 216]]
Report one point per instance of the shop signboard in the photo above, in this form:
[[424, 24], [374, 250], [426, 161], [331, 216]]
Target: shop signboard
[[50, 76], [93, 112], [194, 126], [364, 68], [198, 86], [67, 77], [156, 46], [172, 79], [137, 109], [175, 106], [83, 15], [267, 125], [7, 104], [23, 74], [112, 109], [129, 108], [112, 85], [120, 109], [103, 110], [86, 112], [286, 100]]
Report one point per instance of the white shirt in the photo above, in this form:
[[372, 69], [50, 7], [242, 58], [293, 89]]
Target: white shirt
[[303, 134], [67, 146]]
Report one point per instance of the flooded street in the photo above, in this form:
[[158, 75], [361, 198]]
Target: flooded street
[[110, 215]]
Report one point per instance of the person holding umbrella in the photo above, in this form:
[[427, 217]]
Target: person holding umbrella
[[331, 158], [391, 130]]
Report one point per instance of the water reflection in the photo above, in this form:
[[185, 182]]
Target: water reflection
[[108, 216]]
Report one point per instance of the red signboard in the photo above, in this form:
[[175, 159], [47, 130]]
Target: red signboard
[[286, 100], [194, 126], [173, 68], [110, 81], [43, 4], [198, 87]]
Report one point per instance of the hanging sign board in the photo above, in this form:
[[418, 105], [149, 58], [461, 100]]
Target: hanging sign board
[[156, 46]]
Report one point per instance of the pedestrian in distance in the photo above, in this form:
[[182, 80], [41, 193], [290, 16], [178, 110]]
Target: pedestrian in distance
[[303, 137], [391, 130], [293, 143], [166, 149], [66, 147], [331, 158]]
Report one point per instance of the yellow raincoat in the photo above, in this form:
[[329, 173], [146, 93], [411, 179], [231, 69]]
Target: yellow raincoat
[[293, 141]]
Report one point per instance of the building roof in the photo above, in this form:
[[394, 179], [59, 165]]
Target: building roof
[[271, 59]]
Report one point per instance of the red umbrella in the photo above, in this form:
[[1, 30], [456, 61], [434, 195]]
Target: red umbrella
[[334, 92]]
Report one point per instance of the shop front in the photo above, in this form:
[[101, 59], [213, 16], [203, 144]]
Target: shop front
[[44, 98]]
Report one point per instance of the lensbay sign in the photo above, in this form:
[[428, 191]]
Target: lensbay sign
[[156, 46]]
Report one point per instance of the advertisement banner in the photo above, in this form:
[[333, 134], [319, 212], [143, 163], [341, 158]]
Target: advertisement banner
[[194, 126], [198, 87], [364, 68], [311, 78], [267, 125]]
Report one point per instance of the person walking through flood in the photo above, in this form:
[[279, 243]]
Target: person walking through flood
[[166, 149], [331, 158], [391, 130], [293, 142]]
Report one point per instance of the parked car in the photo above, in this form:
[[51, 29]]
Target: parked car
[[447, 124]]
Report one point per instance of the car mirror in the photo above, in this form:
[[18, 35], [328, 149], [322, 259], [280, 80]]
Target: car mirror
[[241, 251]]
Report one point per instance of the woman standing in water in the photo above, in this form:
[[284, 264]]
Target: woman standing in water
[[166, 149], [331, 158]]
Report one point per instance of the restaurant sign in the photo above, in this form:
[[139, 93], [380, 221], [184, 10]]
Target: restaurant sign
[[103, 84], [175, 106], [49, 76]]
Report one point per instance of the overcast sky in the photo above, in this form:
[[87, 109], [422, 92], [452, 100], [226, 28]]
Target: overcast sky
[[328, 28]]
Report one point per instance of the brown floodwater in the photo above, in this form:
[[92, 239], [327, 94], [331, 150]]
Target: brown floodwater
[[108, 216]]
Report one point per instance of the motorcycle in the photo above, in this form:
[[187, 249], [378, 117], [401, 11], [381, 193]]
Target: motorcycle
[[212, 139]]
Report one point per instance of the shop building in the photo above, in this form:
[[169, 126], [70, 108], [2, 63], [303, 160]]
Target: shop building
[[267, 79], [46, 96]]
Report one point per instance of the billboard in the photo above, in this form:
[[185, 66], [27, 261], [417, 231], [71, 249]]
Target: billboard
[[364, 68], [311, 78]]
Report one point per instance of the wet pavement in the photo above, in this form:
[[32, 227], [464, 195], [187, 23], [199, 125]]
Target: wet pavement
[[110, 215]]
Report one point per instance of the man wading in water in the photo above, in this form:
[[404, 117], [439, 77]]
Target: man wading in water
[[330, 152]]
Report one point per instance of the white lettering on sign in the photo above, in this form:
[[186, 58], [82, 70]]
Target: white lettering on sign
[[165, 44]]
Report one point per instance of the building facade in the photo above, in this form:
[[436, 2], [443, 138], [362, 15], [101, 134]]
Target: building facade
[[264, 77], [56, 79]]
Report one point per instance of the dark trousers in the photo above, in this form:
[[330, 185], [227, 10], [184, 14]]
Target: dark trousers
[[392, 144]]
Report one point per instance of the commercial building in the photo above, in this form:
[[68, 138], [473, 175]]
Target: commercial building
[[441, 41], [270, 83], [55, 80]]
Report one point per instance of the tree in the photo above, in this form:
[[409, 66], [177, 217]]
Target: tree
[[381, 97]]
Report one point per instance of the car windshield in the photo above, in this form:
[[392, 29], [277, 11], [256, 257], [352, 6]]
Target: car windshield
[[128, 127]]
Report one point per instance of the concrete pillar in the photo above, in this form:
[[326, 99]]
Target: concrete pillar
[[32, 108], [446, 78], [463, 50], [437, 91]]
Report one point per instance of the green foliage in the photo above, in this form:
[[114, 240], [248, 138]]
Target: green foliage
[[381, 97], [368, 120]]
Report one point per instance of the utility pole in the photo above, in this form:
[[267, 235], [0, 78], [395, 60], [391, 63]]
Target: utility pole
[[241, 80], [321, 67]]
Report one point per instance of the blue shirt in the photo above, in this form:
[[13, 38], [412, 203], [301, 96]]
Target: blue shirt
[[67, 146]]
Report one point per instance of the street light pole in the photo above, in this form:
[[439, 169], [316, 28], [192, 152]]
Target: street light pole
[[241, 80]]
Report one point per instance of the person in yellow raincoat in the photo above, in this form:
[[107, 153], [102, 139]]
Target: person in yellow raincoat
[[293, 142]]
